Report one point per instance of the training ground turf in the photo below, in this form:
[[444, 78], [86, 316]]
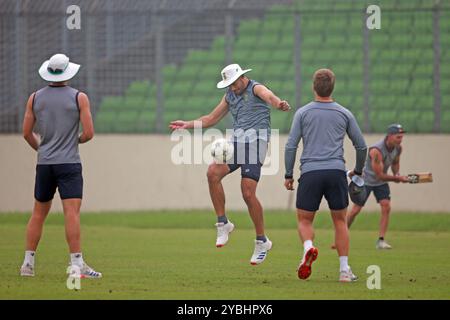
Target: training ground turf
[[172, 255]]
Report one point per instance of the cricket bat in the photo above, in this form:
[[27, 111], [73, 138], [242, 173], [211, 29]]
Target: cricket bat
[[421, 177]]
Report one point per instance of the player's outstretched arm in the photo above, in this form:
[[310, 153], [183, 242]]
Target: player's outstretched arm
[[377, 165], [207, 121], [28, 124], [85, 118], [270, 98]]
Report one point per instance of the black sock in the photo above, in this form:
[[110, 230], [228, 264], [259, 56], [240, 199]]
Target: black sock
[[222, 219], [261, 238], [381, 238]]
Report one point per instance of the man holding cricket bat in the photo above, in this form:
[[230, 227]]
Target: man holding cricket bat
[[382, 155]]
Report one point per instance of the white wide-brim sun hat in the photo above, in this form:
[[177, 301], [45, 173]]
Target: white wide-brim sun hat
[[230, 74], [58, 69]]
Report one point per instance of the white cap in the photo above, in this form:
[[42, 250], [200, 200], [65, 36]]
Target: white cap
[[58, 69], [230, 74]]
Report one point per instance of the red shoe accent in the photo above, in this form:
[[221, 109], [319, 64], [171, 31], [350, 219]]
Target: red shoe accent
[[304, 271]]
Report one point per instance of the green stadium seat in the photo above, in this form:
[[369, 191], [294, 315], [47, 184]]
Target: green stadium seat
[[112, 103], [420, 85], [139, 88], [197, 104], [379, 87], [409, 119], [402, 70], [287, 41], [105, 121], [127, 121], [424, 70], [209, 72], [407, 102], [261, 56], [399, 86], [445, 121], [279, 120], [268, 41], [426, 122], [381, 119], [282, 56], [169, 116], [134, 103], [425, 102], [243, 57], [196, 57], [182, 88], [218, 43], [250, 27], [204, 88], [145, 122], [174, 103], [169, 71], [216, 57], [188, 72]]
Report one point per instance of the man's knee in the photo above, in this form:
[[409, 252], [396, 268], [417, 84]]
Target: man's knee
[[356, 209], [385, 206], [248, 194], [214, 173]]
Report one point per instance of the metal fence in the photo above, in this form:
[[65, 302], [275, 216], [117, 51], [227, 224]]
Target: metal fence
[[122, 43]]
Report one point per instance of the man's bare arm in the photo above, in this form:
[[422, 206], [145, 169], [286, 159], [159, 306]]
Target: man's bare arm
[[85, 118], [395, 167], [270, 98], [28, 124], [207, 121], [378, 165]]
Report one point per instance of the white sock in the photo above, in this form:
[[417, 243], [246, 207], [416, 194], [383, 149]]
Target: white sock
[[76, 259], [343, 262], [29, 257], [307, 245]]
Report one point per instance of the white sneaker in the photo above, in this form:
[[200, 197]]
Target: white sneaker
[[223, 230], [260, 252], [27, 270], [85, 272], [347, 276], [382, 244]]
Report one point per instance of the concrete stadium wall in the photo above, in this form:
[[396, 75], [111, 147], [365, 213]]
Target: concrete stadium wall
[[135, 172]]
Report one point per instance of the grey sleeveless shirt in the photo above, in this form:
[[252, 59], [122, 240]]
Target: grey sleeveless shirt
[[370, 177], [57, 121], [251, 115]]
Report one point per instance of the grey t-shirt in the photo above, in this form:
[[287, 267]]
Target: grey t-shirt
[[57, 121], [322, 126]]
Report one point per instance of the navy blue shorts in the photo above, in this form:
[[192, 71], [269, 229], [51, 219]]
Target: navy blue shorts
[[314, 185], [382, 192], [67, 177], [249, 157]]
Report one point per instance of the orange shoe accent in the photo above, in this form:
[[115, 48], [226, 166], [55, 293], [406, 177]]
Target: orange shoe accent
[[304, 270]]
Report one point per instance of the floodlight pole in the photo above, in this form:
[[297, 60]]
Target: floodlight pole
[[437, 68], [366, 64], [159, 63]]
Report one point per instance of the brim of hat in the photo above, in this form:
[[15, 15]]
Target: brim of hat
[[391, 133], [69, 73], [225, 83]]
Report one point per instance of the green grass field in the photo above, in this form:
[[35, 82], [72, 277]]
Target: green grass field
[[171, 255]]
